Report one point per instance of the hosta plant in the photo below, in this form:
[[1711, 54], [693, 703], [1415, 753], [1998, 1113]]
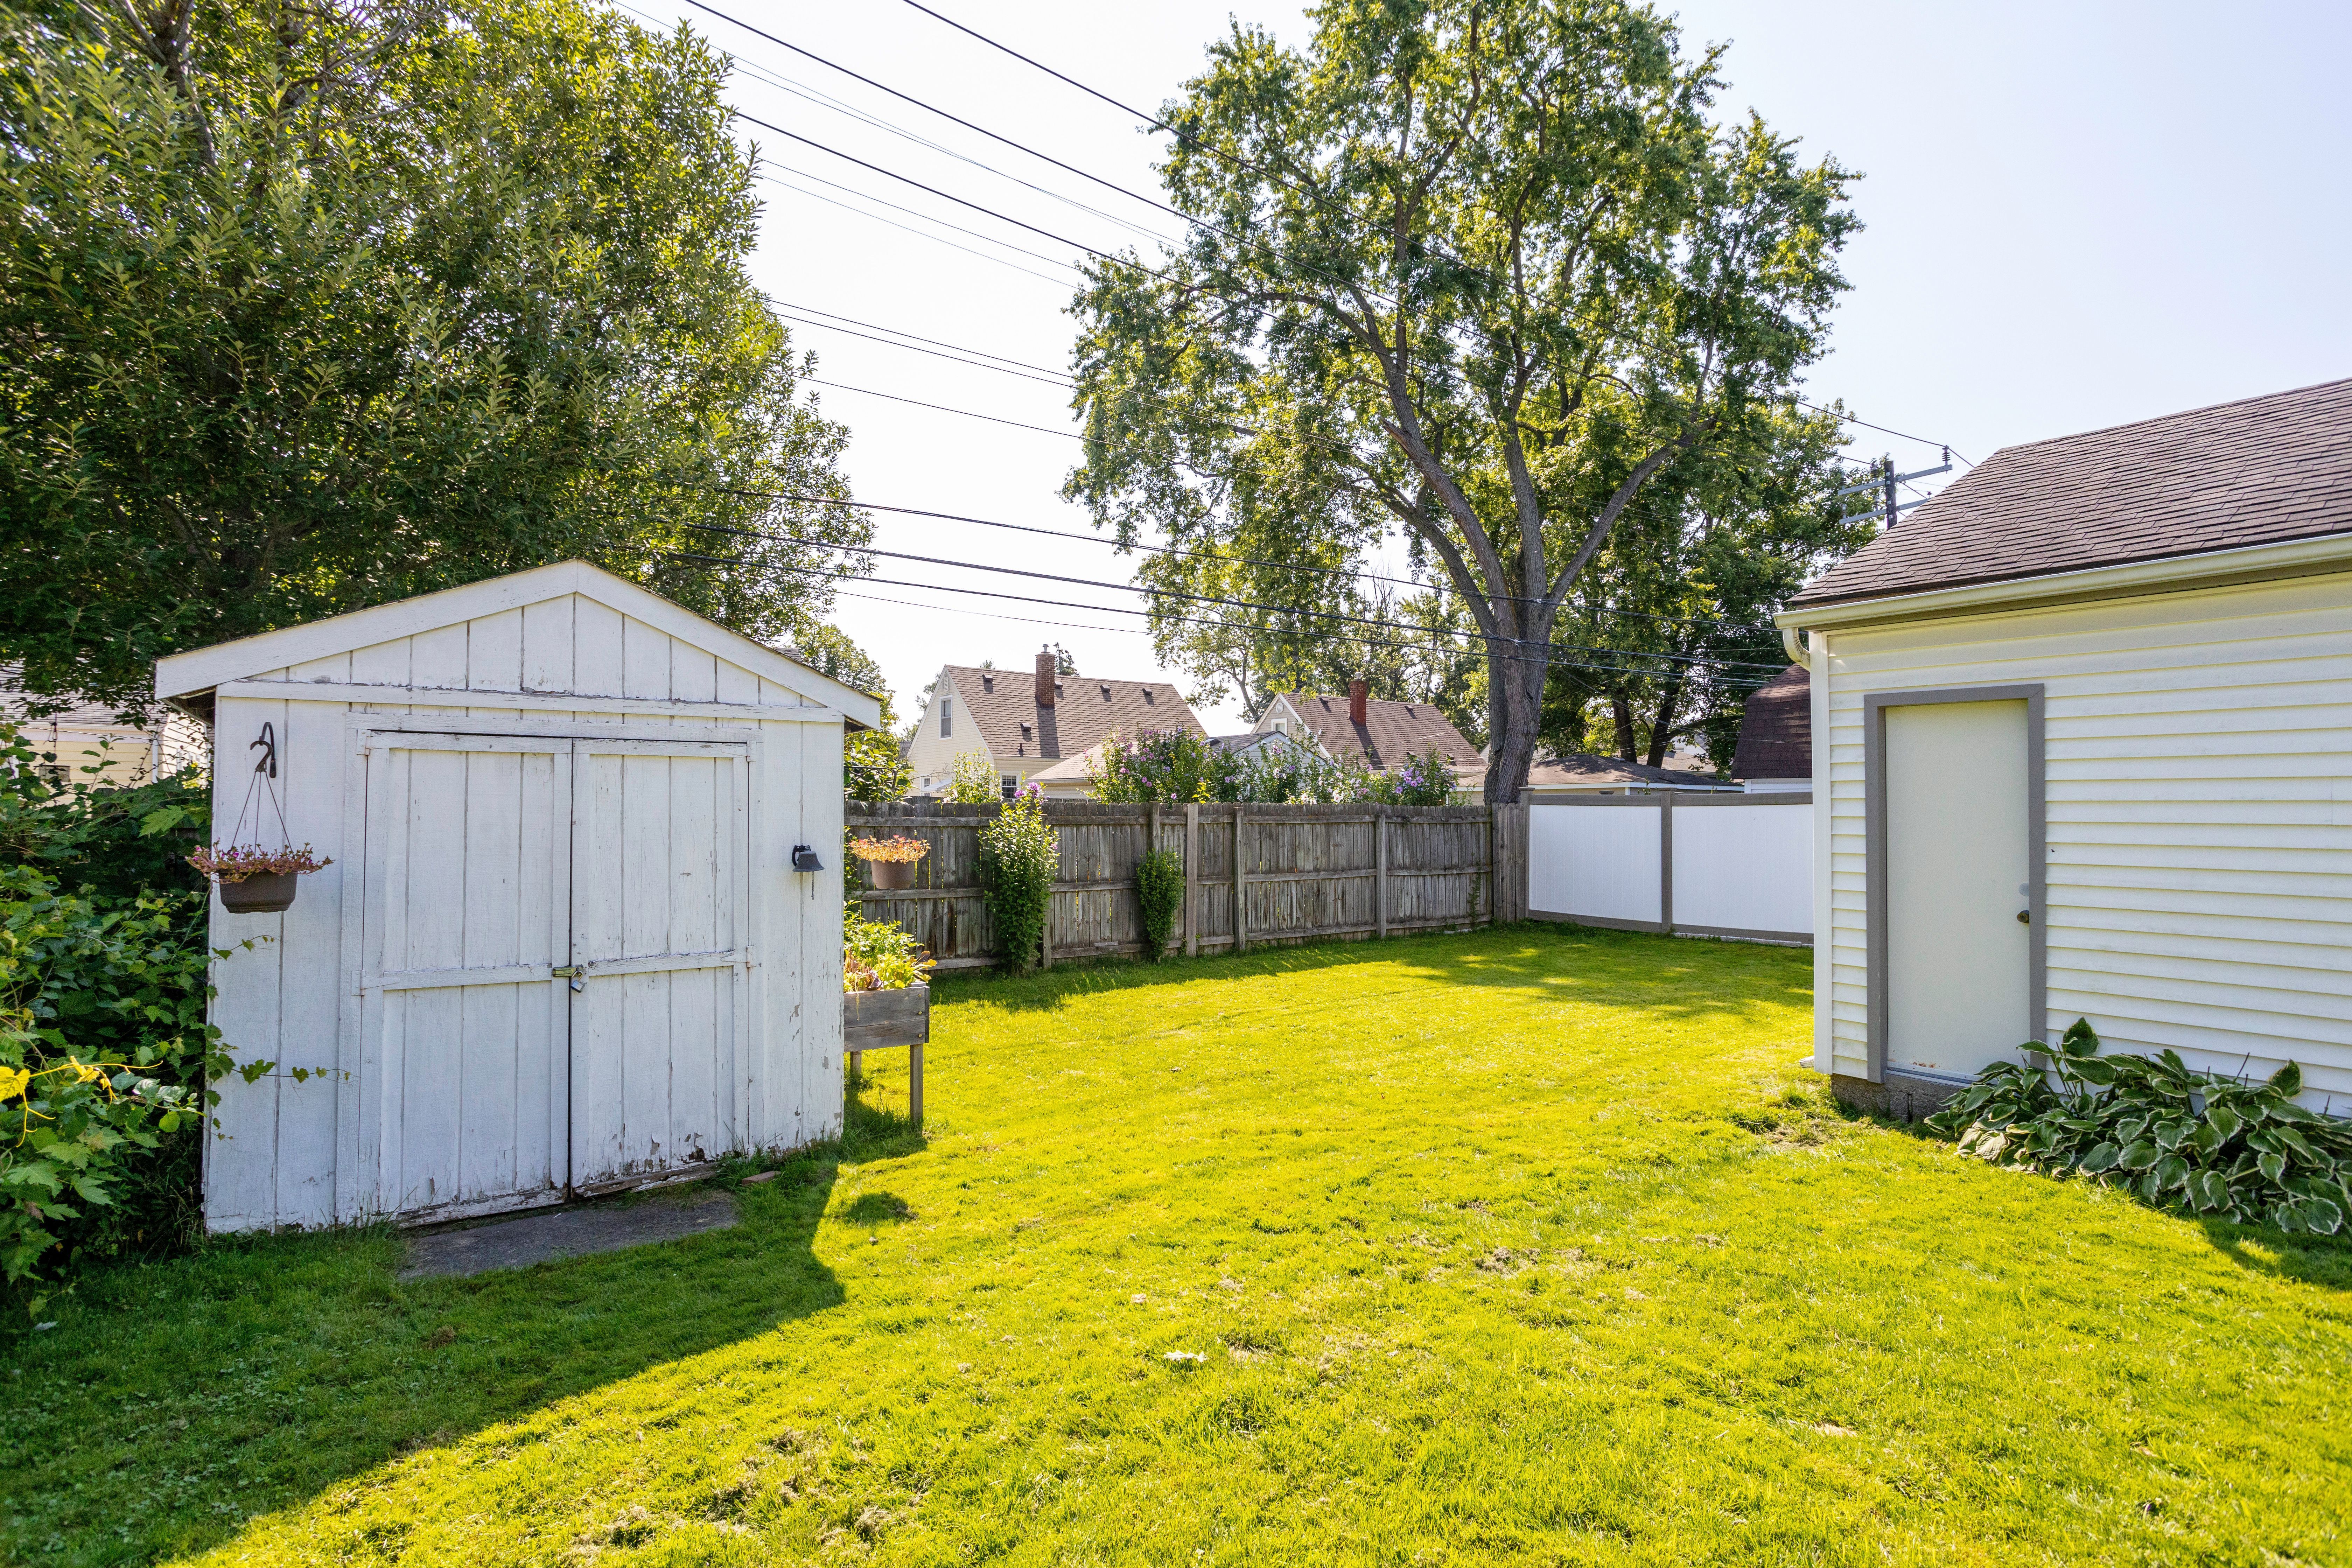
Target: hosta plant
[[2161, 1130]]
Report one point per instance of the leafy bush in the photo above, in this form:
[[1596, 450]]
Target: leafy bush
[[1159, 889], [974, 782], [1172, 766], [1424, 780], [1018, 858], [872, 770], [877, 956], [2161, 1130], [104, 1051]]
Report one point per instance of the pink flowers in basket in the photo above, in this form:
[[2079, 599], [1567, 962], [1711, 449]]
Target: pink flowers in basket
[[899, 850], [234, 863]]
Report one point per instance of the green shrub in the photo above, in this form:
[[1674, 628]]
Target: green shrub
[[105, 1054], [1174, 766], [1018, 858], [973, 782], [1159, 890], [2162, 1131], [880, 955], [872, 770]]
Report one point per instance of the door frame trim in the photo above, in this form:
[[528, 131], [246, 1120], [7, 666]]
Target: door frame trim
[[1873, 787]]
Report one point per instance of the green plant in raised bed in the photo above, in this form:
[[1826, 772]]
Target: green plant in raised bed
[[2163, 1131], [1159, 890]]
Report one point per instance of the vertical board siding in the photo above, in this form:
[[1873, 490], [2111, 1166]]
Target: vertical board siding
[[2200, 819], [435, 1101], [1307, 873]]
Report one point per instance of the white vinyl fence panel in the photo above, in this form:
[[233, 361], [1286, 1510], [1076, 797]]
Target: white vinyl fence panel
[[1706, 865], [1597, 863], [1744, 868]]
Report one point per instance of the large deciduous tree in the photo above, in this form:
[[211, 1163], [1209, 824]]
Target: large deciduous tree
[[309, 304], [1482, 271]]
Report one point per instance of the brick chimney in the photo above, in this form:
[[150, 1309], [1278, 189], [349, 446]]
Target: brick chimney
[[1357, 690], [1045, 678]]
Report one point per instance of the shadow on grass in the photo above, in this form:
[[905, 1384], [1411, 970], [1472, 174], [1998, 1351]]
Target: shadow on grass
[[1680, 975], [171, 1402], [2312, 1259]]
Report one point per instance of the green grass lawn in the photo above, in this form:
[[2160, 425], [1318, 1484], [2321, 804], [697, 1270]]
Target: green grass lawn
[[1529, 1246]]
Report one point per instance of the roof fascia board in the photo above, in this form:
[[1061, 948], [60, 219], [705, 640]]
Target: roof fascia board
[[2172, 575], [200, 669]]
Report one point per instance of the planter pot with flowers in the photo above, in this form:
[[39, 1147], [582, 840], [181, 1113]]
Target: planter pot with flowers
[[889, 862], [254, 880]]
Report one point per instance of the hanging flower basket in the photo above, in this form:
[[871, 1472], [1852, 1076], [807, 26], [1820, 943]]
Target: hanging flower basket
[[889, 862], [254, 880]]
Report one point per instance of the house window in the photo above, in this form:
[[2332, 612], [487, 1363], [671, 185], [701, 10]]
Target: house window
[[1010, 783], [946, 726]]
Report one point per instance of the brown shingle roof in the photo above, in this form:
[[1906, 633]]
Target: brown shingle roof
[[1002, 702], [2262, 471], [1775, 729], [1390, 732], [1585, 768]]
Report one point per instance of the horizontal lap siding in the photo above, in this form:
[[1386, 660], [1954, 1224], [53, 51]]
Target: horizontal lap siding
[[2198, 783]]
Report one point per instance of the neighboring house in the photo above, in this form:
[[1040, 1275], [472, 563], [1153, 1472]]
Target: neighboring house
[[1025, 722], [87, 736], [1072, 778], [1583, 772], [2086, 730], [1776, 735], [1383, 735]]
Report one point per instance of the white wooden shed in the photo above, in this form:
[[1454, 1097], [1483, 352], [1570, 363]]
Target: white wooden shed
[[2083, 746], [550, 771]]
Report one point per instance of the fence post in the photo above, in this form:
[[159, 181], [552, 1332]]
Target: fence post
[[1045, 936], [1380, 869], [1241, 903], [1192, 880], [1666, 863]]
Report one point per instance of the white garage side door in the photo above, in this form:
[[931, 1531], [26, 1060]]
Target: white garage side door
[[465, 911], [659, 910], [1958, 872]]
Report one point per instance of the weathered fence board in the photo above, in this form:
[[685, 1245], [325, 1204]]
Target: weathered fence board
[[1303, 873]]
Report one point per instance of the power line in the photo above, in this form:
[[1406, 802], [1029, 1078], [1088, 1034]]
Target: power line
[[885, 342], [1158, 124], [910, 212], [1221, 600], [1729, 681], [933, 190], [943, 409]]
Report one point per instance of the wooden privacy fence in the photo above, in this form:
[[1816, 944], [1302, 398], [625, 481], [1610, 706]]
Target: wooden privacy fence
[[1304, 873]]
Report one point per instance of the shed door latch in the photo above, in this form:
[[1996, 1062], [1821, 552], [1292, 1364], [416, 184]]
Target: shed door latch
[[574, 972]]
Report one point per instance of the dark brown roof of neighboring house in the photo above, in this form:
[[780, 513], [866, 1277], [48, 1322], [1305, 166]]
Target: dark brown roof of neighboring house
[[1390, 732], [1775, 729], [2262, 471], [1585, 768], [1003, 704]]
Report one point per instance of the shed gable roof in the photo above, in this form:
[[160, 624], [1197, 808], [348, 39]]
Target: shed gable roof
[[200, 669], [2264, 470], [1002, 702]]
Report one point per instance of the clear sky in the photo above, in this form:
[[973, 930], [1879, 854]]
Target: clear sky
[[2077, 214]]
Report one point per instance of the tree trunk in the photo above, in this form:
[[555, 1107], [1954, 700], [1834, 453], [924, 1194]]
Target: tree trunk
[[1513, 722], [1621, 709], [1662, 727]]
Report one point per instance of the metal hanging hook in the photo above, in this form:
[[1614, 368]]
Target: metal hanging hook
[[268, 746]]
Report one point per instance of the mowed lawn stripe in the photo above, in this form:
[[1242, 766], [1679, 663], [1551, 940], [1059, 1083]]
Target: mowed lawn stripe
[[1531, 1245]]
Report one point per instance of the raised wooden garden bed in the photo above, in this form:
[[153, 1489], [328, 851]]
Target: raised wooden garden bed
[[880, 1020]]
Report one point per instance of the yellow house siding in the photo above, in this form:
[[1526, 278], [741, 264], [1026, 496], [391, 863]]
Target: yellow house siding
[[2199, 778]]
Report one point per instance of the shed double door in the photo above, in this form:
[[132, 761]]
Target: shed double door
[[554, 955]]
